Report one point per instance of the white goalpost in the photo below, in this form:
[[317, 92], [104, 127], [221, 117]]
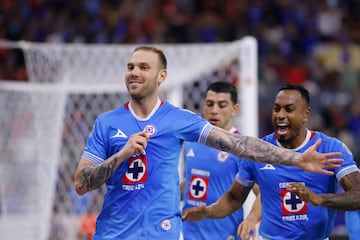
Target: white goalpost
[[45, 120]]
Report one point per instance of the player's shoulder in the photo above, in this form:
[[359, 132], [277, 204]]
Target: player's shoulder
[[326, 139], [331, 142], [170, 106]]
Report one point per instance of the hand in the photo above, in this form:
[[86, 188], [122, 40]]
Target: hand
[[313, 161], [305, 193], [195, 213], [136, 144], [247, 230]]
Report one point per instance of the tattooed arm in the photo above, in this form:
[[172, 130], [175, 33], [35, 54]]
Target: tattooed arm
[[348, 200], [258, 150], [89, 176]]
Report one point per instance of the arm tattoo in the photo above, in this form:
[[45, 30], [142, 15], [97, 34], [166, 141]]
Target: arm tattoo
[[250, 148], [93, 176], [350, 199]]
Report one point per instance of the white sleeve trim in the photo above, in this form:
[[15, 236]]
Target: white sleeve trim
[[243, 181], [346, 171], [204, 133], [91, 157]]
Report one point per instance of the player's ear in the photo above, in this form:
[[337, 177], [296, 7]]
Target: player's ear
[[162, 76], [236, 108], [307, 114]]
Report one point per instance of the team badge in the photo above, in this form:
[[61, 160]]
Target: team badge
[[166, 225], [150, 129], [222, 156], [292, 204], [198, 188], [137, 170]]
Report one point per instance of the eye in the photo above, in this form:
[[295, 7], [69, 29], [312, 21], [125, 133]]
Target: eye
[[209, 104], [290, 109], [276, 109], [144, 67], [223, 105]]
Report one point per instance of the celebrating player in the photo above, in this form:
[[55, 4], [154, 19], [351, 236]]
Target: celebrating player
[[135, 150], [285, 215]]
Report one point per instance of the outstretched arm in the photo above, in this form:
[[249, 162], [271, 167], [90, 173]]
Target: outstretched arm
[[89, 176], [231, 201], [258, 150], [348, 200]]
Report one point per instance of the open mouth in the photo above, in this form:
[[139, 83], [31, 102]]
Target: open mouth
[[282, 129], [214, 121]]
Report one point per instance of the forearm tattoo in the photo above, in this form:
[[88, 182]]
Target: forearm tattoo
[[250, 148], [93, 176]]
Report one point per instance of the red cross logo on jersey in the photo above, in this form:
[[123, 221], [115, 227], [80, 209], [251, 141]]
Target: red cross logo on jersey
[[137, 170], [292, 204], [198, 188]]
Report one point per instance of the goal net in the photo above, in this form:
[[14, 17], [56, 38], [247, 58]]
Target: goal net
[[45, 121]]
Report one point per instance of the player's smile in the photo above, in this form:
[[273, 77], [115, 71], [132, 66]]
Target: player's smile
[[134, 83]]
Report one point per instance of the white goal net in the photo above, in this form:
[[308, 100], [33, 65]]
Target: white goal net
[[44, 121]]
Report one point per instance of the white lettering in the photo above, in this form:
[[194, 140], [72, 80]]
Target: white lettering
[[285, 184], [302, 217], [195, 203], [200, 172], [133, 187]]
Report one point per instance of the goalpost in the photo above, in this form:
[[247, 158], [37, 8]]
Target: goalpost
[[45, 121]]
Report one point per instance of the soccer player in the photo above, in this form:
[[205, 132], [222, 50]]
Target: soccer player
[[285, 215], [135, 150], [209, 172]]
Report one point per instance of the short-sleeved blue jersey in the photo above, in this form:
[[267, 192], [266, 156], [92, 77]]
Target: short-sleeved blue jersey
[[284, 215], [209, 174], [142, 198]]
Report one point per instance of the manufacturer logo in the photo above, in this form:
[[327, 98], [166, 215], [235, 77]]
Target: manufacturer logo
[[119, 134], [268, 167]]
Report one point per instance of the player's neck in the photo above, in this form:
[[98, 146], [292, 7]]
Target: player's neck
[[298, 142], [143, 108]]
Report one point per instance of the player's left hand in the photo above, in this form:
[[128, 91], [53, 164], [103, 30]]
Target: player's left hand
[[313, 161]]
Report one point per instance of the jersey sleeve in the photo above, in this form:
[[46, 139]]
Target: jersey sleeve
[[245, 175], [191, 127], [95, 150], [349, 164]]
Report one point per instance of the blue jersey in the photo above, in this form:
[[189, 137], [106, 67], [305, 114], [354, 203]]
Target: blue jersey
[[209, 174], [352, 222], [143, 197], [284, 215]]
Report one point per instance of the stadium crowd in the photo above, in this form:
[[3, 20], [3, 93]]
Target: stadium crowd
[[315, 43]]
